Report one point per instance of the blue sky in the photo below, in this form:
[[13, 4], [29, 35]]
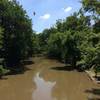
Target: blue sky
[[48, 11]]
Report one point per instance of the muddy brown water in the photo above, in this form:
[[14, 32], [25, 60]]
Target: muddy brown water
[[48, 80]]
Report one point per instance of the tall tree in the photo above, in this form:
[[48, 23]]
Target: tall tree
[[91, 6], [17, 33]]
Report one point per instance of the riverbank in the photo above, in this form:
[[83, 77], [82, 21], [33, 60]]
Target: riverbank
[[91, 74], [52, 76]]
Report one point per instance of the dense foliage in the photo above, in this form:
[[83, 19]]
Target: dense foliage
[[76, 40], [16, 35]]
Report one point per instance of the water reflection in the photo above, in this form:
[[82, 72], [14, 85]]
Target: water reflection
[[43, 89]]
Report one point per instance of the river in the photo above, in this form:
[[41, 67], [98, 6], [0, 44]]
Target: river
[[47, 79]]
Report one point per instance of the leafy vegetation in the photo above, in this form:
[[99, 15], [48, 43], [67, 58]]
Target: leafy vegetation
[[75, 40], [16, 37], [3, 71]]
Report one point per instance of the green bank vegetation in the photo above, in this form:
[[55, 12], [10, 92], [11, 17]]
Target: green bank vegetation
[[74, 40]]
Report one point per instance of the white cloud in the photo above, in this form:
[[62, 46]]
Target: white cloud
[[45, 16], [67, 9]]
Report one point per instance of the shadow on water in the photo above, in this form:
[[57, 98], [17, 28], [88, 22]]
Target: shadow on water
[[3, 78], [98, 78], [95, 92], [28, 62], [63, 68], [17, 71], [21, 68], [94, 99]]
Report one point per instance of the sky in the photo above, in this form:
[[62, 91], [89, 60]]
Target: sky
[[48, 11]]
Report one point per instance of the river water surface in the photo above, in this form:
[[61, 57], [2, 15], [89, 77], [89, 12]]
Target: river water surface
[[48, 80]]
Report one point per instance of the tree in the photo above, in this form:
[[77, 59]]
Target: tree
[[66, 37], [64, 47], [17, 41], [70, 48], [91, 6], [55, 45], [75, 40]]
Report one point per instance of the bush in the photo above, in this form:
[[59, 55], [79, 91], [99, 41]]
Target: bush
[[3, 71], [81, 65], [97, 69]]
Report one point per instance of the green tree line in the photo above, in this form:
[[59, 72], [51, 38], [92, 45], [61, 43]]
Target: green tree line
[[16, 34], [76, 39]]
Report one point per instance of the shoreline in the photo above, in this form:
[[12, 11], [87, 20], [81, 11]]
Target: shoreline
[[92, 76]]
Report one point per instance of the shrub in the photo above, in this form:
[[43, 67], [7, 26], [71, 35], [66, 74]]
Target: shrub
[[3, 71]]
